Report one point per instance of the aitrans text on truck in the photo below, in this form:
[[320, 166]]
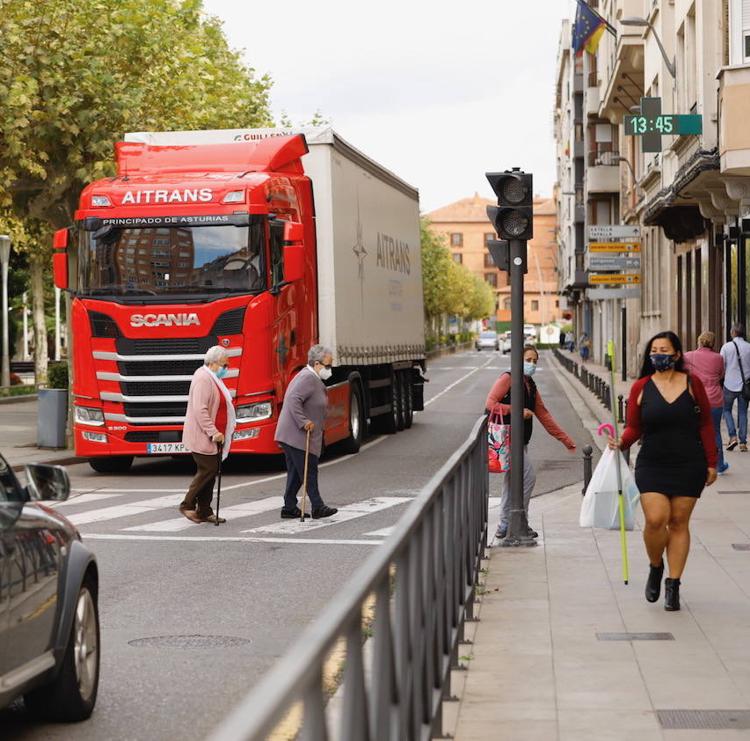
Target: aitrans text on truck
[[262, 241]]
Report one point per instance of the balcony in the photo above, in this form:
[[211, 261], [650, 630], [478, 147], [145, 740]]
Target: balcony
[[625, 82], [603, 179], [734, 132], [592, 101]]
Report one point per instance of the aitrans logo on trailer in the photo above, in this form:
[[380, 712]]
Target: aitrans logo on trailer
[[164, 320]]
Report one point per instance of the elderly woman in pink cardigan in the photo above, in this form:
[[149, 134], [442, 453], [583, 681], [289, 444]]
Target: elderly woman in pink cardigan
[[209, 424]]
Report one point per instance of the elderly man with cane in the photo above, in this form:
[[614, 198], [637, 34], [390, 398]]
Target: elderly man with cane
[[207, 433], [300, 433]]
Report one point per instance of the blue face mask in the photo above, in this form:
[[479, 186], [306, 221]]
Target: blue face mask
[[221, 373], [529, 369], [662, 361]]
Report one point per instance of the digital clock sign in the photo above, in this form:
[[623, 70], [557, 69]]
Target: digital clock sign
[[663, 124]]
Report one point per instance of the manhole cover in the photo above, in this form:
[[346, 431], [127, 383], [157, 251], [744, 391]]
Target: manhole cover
[[741, 546], [718, 720], [194, 641]]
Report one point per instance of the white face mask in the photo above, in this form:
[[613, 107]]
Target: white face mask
[[325, 373]]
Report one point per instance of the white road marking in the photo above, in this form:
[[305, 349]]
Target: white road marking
[[455, 383], [123, 510], [82, 499], [382, 533], [345, 513], [233, 512], [228, 538]]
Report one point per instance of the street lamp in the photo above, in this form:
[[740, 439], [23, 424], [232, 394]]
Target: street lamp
[[4, 260], [642, 22]]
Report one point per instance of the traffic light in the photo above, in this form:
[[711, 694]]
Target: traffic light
[[513, 217]]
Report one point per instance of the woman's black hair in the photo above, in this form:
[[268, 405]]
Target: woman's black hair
[[647, 368]]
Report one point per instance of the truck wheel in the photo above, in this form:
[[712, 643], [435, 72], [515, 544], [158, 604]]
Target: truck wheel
[[71, 696], [391, 422], [408, 400], [401, 382], [356, 420], [113, 464]]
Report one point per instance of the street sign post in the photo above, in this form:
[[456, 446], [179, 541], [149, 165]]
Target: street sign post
[[610, 232], [615, 279], [613, 262], [614, 246], [611, 293]]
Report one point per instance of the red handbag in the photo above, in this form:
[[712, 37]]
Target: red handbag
[[498, 443]]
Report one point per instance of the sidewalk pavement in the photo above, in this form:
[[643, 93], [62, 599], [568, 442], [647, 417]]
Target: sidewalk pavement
[[18, 437], [564, 650]]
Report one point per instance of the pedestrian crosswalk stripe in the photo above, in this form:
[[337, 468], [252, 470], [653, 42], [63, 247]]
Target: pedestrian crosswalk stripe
[[345, 513], [124, 510], [83, 499], [231, 539], [382, 533], [233, 512]]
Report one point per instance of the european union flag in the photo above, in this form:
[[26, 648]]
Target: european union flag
[[587, 30]]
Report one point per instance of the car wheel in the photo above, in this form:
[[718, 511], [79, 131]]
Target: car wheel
[[112, 464], [356, 420], [71, 696]]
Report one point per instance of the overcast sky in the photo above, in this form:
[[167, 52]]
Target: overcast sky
[[437, 92]]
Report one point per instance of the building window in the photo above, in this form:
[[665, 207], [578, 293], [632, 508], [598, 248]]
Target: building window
[[506, 304], [557, 304], [535, 306], [457, 239], [491, 278], [488, 237], [458, 257], [488, 261]]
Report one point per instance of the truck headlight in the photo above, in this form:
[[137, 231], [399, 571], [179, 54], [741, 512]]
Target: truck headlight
[[89, 416], [94, 437], [255, 412]]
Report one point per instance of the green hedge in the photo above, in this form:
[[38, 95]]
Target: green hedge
[[7, 391], [57, 376]]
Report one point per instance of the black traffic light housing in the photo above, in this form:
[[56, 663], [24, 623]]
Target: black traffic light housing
[[513, 217]]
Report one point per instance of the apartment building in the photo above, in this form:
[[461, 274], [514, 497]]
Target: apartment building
[[467, 230], [691, 198]]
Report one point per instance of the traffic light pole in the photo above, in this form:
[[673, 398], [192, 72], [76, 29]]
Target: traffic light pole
[[518, 525]]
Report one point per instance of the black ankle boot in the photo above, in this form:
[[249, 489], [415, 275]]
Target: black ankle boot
[[653, 583], [671, 594]]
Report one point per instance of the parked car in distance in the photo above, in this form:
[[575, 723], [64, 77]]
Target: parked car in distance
[[49, 584], [505, 343], [487, 340], [529, 333]]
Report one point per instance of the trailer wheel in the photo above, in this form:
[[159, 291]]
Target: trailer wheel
[[392, 421], [401, 383], [112, 464], [356, 420], [408, 395]]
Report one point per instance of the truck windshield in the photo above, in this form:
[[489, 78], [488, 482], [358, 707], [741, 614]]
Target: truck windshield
[[172, 260]]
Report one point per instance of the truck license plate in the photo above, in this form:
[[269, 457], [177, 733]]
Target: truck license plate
[[159, 448]]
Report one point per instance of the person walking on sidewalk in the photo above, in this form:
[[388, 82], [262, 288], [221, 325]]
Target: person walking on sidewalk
[[303, 411], [499, 401], [584, 347], [736, 354], [708, 365], [669, 411], [209, 422]]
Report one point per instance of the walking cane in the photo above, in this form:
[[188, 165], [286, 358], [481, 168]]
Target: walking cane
[[304, 479], [218, 483]]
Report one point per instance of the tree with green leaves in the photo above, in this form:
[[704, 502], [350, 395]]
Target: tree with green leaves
[[75, 76]]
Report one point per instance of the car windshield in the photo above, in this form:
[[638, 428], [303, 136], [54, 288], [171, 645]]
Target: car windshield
[[488, 335], [155, 260]]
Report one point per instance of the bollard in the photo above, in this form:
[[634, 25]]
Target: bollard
[[620, 418], [588, 452]]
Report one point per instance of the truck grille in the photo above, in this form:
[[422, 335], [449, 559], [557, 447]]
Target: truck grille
[[230, 322], [147, 367], [165, 346], [161, 409], [154, 436], [155, 388]]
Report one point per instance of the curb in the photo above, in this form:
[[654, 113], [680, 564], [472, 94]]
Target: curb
[[72, 460], [18, 399]]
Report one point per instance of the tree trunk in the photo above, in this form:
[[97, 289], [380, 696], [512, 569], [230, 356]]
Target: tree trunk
[[38, 320]]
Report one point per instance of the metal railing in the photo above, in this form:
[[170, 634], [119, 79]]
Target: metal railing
[[423, 580], [598, 386]]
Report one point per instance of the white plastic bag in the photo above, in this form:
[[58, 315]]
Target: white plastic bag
[[600, 503]]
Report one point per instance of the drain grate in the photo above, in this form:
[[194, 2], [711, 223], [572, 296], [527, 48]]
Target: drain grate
[[741, 546], [194, 641], [634, 637], [732, 491], [717, 720]]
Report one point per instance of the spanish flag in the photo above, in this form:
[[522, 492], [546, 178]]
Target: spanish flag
[[587, 30]]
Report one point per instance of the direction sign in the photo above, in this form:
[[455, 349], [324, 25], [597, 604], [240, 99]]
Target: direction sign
[[608, 232], [620, 279], [614, 262], [607, 293], [614, 246]]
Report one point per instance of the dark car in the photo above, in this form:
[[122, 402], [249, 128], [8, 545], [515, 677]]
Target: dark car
[[49, 619]]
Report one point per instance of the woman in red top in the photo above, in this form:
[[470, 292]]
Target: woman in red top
[[671, 415]]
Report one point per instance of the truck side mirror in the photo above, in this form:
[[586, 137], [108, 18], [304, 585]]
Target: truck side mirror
[[294, 255], [60, 258]]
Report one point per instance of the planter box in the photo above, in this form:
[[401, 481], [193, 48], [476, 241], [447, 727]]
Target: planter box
[[52, 417]]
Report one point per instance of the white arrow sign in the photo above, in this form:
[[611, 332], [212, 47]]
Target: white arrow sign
[[607, 232]]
